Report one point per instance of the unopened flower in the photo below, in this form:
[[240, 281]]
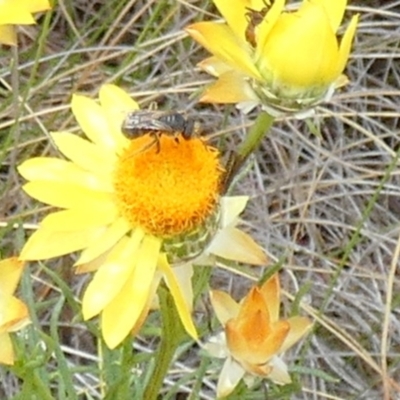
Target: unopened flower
[[13, 312], [286, 60], [135, 208], [18, 12], [253, 336]]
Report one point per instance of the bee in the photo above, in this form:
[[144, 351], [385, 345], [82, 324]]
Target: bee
[[254, 18], [156, 123]]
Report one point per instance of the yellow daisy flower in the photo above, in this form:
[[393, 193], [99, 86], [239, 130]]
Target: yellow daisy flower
[[253, 336], [134, 208], [18, 12], [285, 60], [13, 312]]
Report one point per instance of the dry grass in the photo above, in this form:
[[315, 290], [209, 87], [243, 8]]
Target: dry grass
[[325, 192]]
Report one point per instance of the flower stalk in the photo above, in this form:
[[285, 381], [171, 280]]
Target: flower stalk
[[251, 142], [171, 336]]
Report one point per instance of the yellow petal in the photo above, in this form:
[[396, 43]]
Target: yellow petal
[[255, 349], [21, 322], [116, 103], [121, 315], [55, 169], [253, 305], [231, 208], [224, 306], [231, 87], [92, 265], [110, 236], [230, 376], [111, 277], [10, 274], [345, 44], [184, 275], [235, 15], [299, 326], [294, 41], [15, 14], [220, 40], [179, 297], [8, 35], [214, 66], [267, 24], [46, 243], [271, 294], [79, 219], [149, 304], [6, 349], [12, 312], [35, 5], [66, 195], [88, 156], [274, 343], [257, 4], [233, 244], [113, 97], [335, 11], [93, 121]]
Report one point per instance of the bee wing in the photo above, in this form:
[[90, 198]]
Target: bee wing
[[142, 121], [158, 125]]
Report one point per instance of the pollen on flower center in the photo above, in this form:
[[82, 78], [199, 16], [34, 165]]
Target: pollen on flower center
[[167, 187]]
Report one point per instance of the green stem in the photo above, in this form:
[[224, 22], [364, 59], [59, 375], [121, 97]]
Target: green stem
[[257, 132], [171, 337]]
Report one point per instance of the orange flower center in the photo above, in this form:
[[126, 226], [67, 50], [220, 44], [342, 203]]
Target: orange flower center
[[167, 185]]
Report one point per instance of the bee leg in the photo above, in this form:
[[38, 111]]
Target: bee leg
[[157, 142], [153, 106], [151, 144], [189, 129], [147, 146]]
